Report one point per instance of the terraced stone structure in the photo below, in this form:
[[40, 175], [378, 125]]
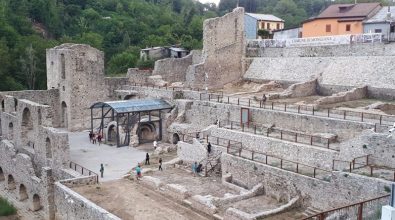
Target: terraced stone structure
[[319, 139]]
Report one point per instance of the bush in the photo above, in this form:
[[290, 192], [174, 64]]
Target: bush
[[6, 209], [146, 64]]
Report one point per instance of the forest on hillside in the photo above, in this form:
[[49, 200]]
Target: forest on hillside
[[120, 28]]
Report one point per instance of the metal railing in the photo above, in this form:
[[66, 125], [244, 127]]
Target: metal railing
[[283, 164], [200, 136], [84, 171], [368, 209], [277, 133], [380, 119]]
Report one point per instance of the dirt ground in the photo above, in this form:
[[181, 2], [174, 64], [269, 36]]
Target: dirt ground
[[128, 200]]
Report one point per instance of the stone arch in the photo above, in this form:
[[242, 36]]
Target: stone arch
[[36, 203], [11, 182], [112, 133], [147, 132], [48, 147], [10, 131], [27, 128], [64, 118], [176, 138], [2, 177], [23, 193]]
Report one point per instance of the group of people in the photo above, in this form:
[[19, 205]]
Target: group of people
[[197, 168], [147, 162], [94, 138]]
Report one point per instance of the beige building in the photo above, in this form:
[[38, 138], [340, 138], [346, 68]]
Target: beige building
[[256, 22]]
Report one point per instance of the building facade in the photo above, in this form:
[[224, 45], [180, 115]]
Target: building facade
[[340, 19], [383, 22], [256, 22]]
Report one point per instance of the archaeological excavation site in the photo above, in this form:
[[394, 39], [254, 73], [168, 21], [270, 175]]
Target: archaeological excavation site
[[243, 129]]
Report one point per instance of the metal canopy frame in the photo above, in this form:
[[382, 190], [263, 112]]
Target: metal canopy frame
[[132, 109]]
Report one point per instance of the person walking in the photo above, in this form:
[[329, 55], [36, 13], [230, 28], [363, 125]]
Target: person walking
[[99, 138], [147, 159], [160, 164], [101, 170], [138, 172], [264, 98], [209, 148], [155, 144], [194, 167], [94, 138], [90, 136]]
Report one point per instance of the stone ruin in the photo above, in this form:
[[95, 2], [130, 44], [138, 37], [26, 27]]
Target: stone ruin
[[321, 158]]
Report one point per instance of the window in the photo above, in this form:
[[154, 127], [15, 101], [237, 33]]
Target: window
[[328, 28], [348, 27], [262, 25], [392, 30], [63, 66], [278, 26], [377, 30], [268, 26]]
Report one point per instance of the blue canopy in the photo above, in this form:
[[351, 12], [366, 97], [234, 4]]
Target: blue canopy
[[137, 105]]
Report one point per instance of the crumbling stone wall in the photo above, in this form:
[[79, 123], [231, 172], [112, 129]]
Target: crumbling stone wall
[[342, 189], [72, 206], [112, 84], [301, 89], [354, 94], [77, 71], [173, 69], [138, 76]]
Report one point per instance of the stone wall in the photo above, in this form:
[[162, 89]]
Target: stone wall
[[173, 69], [301, 89], [112, 84], [190, 153], [72, 206], [223, 49], [296, 152], [138, 76], [77, 71], [342, 189], [367, 49], [354, 94]]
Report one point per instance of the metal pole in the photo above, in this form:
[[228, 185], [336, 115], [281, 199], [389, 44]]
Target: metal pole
[[117, 131]]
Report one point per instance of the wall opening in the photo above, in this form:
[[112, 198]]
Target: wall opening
[[2, 177], [15, 104], [23, 193], [64, 115], [63, 66], [11, 182], [176, 138], [36, 203], [27, 128], [2, 106], [10, 131], [128, 97], [147, 132], [112, 134], [48, 148]]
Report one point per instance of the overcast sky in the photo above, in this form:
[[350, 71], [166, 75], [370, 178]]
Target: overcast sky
[[207, 1]]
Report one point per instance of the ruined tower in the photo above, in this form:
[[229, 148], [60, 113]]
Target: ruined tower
[[77, 71]]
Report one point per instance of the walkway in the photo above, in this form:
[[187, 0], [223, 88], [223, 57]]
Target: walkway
[[117, 161]]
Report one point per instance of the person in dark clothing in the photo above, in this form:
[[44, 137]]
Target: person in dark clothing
[[264, 98], [147, 159], [101, 170], [199, 168], [90, 136], [99, 138], [160, 164], [209, 148]]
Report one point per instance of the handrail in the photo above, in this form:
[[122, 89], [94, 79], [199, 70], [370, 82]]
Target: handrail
[[255, 153], [323, 215], [74, 166], [330, 113], [297, 135]]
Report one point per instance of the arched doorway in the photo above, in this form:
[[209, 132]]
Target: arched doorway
[[176, 138], [48, 148], [27, 128], [22, 193], [112, 133], [64, 119], [10, 131], [36, 203], [147, 132], [11, 182], [129, 97], [2, 177]]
